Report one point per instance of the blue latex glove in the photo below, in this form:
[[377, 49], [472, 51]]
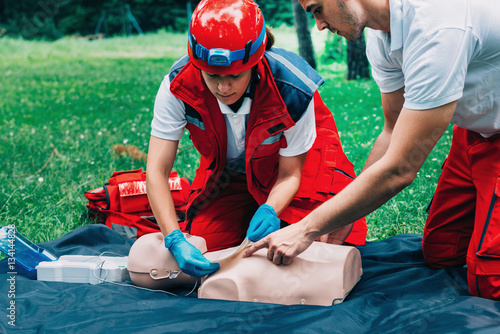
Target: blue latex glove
[[265, 221], [189, 258]]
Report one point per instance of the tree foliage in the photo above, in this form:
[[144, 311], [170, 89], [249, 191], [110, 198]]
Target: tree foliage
[[277, 12], [357, 62], [52, 19], [302, 26]]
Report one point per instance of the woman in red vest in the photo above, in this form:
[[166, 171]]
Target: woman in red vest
[[269, 147]]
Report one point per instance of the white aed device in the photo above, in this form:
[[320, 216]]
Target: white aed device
[[91, 269]]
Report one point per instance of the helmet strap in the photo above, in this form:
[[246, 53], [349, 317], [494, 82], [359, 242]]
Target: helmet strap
[[194, 44], [248, 48]]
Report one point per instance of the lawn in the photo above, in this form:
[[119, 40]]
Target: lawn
[[65, 104]]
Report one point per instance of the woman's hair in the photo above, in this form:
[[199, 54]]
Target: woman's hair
[[270, 38]]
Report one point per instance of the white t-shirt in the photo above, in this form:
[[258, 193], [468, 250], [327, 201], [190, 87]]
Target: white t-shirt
[[442, 51], [170, 120]]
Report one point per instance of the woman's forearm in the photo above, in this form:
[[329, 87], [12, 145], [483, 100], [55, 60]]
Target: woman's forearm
[[287, 183], [161, 201], [283, 192], [161, 158]]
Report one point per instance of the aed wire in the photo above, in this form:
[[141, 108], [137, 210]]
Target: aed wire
[[101, 269]]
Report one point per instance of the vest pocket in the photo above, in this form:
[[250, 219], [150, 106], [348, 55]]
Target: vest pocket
[[484, 277], [265, 170], [312, 166], [265, 162], [320, 175], [489, 245]]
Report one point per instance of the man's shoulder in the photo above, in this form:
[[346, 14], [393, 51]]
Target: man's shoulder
[[433, 16]]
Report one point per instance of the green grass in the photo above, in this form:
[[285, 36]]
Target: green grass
[[82, 97]]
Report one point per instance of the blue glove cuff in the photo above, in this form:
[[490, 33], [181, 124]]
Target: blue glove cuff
[[269, 208], [173, 238], [264, 221]]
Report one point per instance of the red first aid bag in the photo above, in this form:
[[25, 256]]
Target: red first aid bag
[[122, 203]]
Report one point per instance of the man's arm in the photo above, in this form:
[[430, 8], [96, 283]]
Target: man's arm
[[414, 136], [392, 104], [161, 157]]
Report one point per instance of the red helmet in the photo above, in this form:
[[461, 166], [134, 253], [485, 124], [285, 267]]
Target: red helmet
[[226, 36]]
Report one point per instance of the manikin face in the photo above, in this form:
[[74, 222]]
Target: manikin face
[[335, 15], [228, 88]]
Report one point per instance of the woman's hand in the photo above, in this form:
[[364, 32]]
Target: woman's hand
[[190, 259], [264, 221]]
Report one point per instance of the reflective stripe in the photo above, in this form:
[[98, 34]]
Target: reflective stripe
[[346, 174], [272, 139], [177, 66], [195, 121], [309, 83], [180, 60], [485, 229]]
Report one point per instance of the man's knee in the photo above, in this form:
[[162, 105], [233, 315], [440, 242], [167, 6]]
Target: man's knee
[[440, 253]]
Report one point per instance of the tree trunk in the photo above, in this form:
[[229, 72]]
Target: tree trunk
[[301, 19], [357, 63]]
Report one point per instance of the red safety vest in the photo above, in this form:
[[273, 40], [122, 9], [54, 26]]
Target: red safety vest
[[326, 170]]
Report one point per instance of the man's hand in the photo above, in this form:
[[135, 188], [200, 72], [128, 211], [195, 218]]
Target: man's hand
[[283, 245], [264, 222], [189, 258]]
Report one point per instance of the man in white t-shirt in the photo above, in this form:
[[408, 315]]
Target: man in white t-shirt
[[435, 62]]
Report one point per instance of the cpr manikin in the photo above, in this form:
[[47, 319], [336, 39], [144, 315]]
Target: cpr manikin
[[322, 275]]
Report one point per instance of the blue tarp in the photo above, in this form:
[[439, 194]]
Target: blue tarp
[[397, 293]]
